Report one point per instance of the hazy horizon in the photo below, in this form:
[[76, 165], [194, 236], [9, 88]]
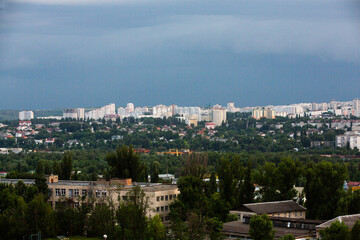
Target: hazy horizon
[[87, 53]]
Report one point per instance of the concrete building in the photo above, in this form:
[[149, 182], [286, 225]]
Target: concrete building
[[231, 107], [74, 113], [301, 229], [74, 193], [356, 104], [130, 108], [218, 116], [285, 209], [101, 112], [26, 115], [350, 138], [259, 113]]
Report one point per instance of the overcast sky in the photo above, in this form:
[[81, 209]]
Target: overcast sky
[[87, 53]]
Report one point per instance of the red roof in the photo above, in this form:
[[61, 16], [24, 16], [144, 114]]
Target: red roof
[[353, 184]]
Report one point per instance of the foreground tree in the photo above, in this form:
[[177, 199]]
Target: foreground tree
[[132, 213], [324, 179], [336, 231], [355, 231], [261, 228]]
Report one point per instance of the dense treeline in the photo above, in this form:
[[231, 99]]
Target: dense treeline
[[24, 211]]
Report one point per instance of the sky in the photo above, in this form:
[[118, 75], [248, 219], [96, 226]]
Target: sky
[[88, 53]]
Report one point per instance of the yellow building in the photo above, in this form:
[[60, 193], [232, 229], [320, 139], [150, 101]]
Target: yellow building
[[74, 193]]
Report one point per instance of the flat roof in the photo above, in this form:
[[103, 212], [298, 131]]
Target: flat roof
[[147, 187], [241, 229]]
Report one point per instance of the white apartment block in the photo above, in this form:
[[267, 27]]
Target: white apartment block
[[26, 115], [101, 112], [218, 116], [77, 113], [352, 138]]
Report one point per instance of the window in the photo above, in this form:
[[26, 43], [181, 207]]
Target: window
[[289, 214], [157, 209], [166, 208], [166, 198], [170, 197], [76, 204], [301, 214], [295, 213], [63, 192], [162, 209], [83, 192], [174, 195], [124, 198], [157, 198], [97, 193], [104, 193], [50, 192], [76, 192], [162, 198], [57, 192]]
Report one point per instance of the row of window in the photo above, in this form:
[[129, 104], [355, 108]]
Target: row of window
[[162, 209], [72, 192], [100, 193], [289, 214], [166, 197]]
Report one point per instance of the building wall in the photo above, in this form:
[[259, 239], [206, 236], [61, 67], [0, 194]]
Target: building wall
[[160, 200], [295, 214]]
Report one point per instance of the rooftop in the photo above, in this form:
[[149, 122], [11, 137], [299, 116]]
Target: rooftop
[[241, 229], [274, 207], [349, 221]]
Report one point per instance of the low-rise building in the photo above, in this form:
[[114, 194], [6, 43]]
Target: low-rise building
[[75, 193], [286, 209], [301, 229], [348, 220]]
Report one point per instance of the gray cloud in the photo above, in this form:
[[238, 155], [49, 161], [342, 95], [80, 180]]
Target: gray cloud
[[157, 44]]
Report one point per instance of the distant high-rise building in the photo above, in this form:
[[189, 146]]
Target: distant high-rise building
[[218, 116], [130, 107], [26, 115], [231, 107], [356, 104], [267, 113], [101, 112], [76, 113]]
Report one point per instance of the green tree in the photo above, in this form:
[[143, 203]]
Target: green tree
[[324, 179], [40, 168], [124, 163], [101, 221], [66, 166], [247, 187], [41, 184], [154, 172], [40, 217], [56, 168], [355, 231], [288, 172], [336, 231], [288, 237], [155, 229], [261, 228], [136, 204]]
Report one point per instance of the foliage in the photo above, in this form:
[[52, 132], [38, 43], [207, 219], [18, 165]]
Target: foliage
[[336, 231], [124, 163], [261, 228]]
